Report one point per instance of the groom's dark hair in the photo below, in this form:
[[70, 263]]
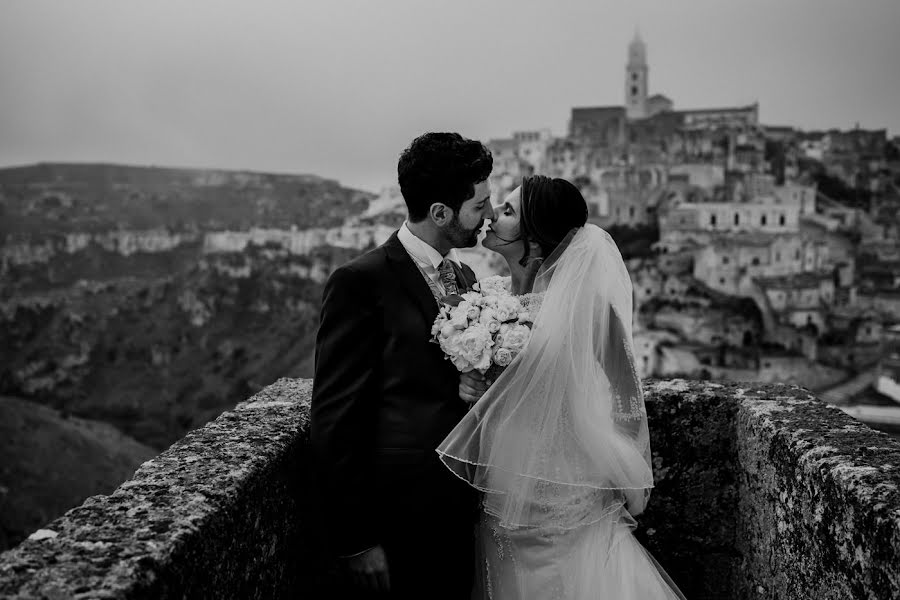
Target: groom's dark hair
[[441, 167]]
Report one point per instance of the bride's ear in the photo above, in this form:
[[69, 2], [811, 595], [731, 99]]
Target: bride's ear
[[534, 251]]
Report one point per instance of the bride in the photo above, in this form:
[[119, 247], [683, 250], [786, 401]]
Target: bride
[[559, 442]]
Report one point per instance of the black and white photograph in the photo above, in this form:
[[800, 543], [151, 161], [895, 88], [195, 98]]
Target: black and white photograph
[[450, 300]]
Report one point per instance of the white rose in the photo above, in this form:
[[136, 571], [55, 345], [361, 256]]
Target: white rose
[[452, 344], [493, 286], [447, 329], [490, 301], [475, 342], [485, 363], [489, 319], [473, 313], [507, 308], [472, 298], [461, 364], [516, 338], [503, 356], [458, 316]]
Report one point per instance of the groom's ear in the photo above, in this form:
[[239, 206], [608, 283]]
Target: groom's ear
[[440, 213]]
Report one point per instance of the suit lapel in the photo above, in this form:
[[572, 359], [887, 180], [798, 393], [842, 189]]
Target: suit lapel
[[410, 278]]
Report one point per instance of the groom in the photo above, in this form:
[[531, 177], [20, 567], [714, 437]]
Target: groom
[[384, 396]]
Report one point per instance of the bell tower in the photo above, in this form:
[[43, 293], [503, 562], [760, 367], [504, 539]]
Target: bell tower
[[636, 79]]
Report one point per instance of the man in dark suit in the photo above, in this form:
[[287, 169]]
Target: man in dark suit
[[384, 396]]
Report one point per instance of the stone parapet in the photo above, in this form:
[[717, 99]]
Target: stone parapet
[[761, 492], [220, 514]]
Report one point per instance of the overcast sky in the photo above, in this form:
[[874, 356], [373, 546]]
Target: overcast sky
[[338, 88]]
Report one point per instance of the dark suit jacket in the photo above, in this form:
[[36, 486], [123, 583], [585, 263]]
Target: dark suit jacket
[[384, 397]]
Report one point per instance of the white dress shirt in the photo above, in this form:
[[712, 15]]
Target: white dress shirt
[[428, 259]]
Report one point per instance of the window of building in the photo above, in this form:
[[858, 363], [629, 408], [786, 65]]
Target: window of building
[[722, 280], [737, 219], [725, 260], [781, 220], [762, 220], [755, 261], [634, 90], [778, 257], [712, 219], [631, 212]]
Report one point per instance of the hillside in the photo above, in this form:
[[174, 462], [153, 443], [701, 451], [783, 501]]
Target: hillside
[[154, 299], [50, 462], [138, 303], [50, 199]]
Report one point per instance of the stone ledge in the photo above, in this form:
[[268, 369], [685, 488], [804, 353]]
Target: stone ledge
[[761, 492], [815, 495], [209, 517]]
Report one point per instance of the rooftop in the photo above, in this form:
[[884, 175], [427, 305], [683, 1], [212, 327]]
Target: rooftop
[[793, 282]]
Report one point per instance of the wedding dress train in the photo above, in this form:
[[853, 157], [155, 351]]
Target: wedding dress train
[[602, 561]]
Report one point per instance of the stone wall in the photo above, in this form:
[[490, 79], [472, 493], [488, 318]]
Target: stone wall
[[761, 492], [220, 514]]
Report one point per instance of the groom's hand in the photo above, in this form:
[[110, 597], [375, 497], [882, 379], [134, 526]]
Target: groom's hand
[[472, 386], [369, 570]]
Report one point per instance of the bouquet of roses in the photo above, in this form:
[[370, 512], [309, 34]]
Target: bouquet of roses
[[482, 330]]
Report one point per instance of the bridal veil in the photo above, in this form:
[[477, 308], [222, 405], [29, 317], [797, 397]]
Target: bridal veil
[[560, 439]]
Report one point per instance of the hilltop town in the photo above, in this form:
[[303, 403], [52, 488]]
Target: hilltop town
[[757, 252]]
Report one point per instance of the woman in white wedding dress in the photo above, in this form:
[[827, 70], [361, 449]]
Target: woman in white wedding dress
[[559, 442]]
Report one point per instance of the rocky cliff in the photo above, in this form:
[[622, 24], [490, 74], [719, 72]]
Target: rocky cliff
[[154, 299]]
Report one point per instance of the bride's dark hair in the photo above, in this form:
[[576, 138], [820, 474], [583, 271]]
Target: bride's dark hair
[[550, 209]]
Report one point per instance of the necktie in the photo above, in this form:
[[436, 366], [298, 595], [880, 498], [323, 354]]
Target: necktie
[[448, 277]]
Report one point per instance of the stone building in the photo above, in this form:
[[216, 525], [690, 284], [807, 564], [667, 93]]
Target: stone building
[[636, 79]]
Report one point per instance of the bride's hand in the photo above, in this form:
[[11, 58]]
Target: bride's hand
[[472, 386]]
